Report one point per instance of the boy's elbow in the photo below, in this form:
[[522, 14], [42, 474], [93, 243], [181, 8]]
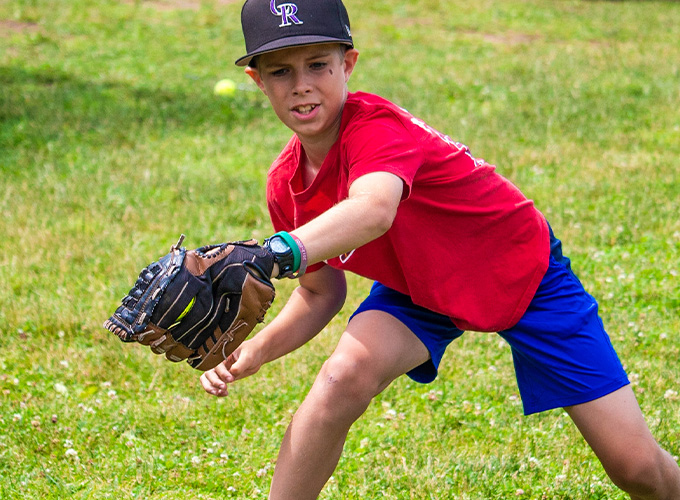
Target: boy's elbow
[[383, 212], [384, 221], [378, 195]]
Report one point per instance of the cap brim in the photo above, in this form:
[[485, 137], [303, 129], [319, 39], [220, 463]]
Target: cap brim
[[286, 43]]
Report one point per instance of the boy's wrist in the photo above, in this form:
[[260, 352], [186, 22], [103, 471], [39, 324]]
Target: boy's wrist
[[290, 255]]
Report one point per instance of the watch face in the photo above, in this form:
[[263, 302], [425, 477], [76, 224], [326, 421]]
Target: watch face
[[278, 245]]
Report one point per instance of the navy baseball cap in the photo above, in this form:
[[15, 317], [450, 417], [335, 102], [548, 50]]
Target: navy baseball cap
[[270, 25]]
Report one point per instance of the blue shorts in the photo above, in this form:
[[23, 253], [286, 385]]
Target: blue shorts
[[561, 352]]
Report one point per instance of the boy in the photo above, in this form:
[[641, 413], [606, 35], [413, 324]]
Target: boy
[[364, 186]]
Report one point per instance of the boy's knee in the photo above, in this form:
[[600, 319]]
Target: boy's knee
[[347, 381], [638, 474]]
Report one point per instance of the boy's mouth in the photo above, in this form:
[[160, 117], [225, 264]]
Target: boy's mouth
[[306, 109]]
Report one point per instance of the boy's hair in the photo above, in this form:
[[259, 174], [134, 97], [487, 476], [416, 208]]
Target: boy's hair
[[270, 25]]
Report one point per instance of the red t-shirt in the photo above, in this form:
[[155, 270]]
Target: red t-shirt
[[465, 241]]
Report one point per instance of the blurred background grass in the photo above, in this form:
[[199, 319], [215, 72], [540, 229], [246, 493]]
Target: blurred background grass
[[112, 143]]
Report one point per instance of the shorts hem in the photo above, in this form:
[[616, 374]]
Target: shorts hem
[[541, 406]]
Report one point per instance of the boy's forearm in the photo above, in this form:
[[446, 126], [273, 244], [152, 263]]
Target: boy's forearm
[[305, 314]]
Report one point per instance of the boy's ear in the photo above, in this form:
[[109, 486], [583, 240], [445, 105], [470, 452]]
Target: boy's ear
[[351, 56], [255, 75]]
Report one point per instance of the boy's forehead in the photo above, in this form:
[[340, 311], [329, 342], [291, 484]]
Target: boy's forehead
[[304, 52]]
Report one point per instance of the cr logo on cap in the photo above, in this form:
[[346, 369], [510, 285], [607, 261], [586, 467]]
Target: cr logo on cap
[[287, 12]]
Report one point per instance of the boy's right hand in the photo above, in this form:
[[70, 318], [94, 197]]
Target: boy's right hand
[[243, 362]]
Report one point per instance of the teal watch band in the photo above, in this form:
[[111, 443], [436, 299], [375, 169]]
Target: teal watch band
[[294, 248], [286, 253]]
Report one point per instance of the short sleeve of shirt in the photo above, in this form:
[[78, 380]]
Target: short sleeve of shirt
[[381, 143]]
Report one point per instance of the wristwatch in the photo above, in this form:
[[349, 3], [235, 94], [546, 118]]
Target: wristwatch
[[283, 255]]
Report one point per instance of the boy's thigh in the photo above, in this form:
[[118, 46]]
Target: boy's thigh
[[425, 329], [562, 353], [381, 346]]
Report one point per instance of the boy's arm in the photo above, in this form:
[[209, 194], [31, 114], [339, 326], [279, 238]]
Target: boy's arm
[[365, 215], [309, 309]]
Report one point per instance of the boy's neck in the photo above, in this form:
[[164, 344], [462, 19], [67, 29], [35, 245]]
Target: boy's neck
[[314, 153], [314, 159], [310, 167]]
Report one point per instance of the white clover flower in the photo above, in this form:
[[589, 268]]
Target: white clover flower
[[433, 395], [390, 414], [60, 388], [71, 453]]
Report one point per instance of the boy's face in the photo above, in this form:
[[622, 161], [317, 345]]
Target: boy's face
[[307, 87]]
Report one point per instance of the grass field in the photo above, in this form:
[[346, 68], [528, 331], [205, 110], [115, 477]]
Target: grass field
[[112, 143]]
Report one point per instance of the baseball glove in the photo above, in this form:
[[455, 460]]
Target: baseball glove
[[198, 305]]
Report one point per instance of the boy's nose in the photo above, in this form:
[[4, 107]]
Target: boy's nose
[[302, 85]]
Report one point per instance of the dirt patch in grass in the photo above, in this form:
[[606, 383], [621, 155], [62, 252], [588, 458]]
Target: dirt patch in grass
[[9, 27], [506, 38], [170, 5]]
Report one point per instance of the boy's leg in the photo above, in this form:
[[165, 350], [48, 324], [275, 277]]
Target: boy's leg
[[615, 429], [375, 349], [563, 356]]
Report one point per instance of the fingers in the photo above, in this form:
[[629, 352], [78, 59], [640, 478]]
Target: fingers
[[215, 381], [241, 363], [224, 372], [212, 384], [232, 365]]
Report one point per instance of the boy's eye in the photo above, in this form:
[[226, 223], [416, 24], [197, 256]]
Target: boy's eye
[[278, 72], [318, 65]]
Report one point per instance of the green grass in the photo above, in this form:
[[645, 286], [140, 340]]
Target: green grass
[[112, 143]]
